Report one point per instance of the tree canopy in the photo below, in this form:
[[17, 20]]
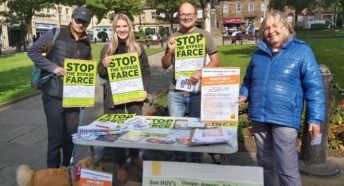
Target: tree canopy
[[20, 12], [100, 8], [168, 8]]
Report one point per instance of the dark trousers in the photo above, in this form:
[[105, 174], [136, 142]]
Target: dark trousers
[[130, 108], [62, 123]]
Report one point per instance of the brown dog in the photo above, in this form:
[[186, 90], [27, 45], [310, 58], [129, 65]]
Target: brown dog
[[49, 177]]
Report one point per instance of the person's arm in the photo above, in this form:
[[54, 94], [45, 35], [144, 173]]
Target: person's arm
[[312, 85], [37, 49], [166, 61], [101, 68], [214, 62], [145, 69], [245, 87], [213, 55]]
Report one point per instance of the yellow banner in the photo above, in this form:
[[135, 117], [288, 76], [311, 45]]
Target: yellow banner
[[189, 54], [125, 78], [79, 83]]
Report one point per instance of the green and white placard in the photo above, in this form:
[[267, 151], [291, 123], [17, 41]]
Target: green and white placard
[[125, 78], [79, 83], [189, 54]]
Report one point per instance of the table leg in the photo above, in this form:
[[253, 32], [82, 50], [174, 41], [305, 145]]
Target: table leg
[[93, 162]]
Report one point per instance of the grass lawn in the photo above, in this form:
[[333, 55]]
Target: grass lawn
[[15, 73]]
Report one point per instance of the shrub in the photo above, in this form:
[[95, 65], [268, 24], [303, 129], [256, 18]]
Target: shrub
[[164, 32], [336, 126], [318, 26], [103, 36], [140, 34], [149, 31]]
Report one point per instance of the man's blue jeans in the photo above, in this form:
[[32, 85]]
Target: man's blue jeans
[[177, 104]]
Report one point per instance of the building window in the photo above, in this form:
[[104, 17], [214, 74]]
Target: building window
[[238, 7], [263, 7], [153, 15], [199, 14], [251, 7], [67, 11], [60, 11], [225, 8], [143, 17], [48, 11]]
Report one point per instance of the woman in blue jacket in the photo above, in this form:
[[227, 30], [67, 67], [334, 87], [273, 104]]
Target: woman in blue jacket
[[282, 74]]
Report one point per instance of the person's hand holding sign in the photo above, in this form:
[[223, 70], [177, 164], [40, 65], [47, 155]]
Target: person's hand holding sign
[[59, 71], [195, 77], [144, 97], [171, 44], [107, 61]]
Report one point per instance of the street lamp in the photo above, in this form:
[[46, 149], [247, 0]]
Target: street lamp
[[265, 7]]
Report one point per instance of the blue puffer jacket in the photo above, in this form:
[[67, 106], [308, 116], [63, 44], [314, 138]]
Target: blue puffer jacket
[[276, 86]]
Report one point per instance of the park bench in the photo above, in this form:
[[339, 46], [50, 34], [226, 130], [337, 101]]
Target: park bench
[[239, 38], [150, 42]]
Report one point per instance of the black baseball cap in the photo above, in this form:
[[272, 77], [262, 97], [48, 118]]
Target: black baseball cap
[[83, 14]]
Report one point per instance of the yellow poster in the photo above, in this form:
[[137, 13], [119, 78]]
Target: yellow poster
[[189, 54], [79, 83], [125, 78]]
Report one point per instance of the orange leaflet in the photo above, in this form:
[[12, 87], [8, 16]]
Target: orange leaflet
[[221, 80]]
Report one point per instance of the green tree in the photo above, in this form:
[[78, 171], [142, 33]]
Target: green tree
[[278, 4], [100, 8], [332, 4], [168, 8], [297, 5], [21, 12]]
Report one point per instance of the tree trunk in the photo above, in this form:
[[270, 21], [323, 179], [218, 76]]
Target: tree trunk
[[29, 31]]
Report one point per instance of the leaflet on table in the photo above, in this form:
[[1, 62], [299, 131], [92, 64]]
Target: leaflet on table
[[136, 135], [209, 136], [189, 57], [89, 131], [125, 78], [173, 122], [135, 123], [79, 83], [220, 92], [111, 120]]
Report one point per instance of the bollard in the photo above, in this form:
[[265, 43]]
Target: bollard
[[313, 157]]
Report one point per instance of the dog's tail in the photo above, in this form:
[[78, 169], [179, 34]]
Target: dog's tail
[[24, 175]]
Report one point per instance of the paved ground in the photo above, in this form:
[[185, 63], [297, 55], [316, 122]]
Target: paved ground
[[23, 135]]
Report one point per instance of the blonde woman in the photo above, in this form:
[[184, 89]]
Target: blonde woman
[[123, 41]]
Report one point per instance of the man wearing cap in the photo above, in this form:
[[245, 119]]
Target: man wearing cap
[[68, 42]]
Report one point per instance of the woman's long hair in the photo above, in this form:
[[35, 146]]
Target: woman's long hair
[[132, 45]]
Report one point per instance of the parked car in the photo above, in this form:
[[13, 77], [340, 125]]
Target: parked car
[[319, 24]]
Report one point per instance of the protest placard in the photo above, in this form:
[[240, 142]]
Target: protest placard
[[189, 56], [125, 78], [79, 83]]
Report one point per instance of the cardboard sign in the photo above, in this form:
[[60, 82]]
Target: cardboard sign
[[189, 57], [94, 178], [79, 83], [125, 78], [159, 173], [220, 94]]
